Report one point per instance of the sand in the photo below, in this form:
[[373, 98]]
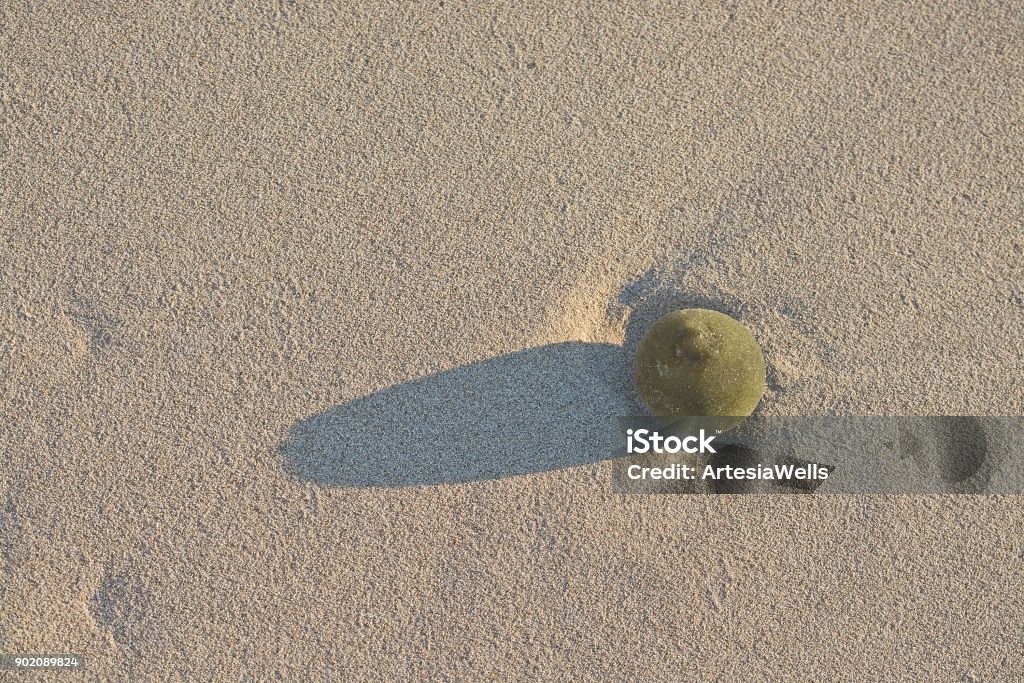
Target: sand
[[246, 252]]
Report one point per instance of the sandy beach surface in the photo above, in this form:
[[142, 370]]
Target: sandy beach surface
[[316, 319]]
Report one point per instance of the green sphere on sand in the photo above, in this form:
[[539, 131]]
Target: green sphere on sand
[[697, 362]]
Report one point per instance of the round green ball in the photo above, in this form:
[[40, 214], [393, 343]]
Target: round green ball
[[697, 362]]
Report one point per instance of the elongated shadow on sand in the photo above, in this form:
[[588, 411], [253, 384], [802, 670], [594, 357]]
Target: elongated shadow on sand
[[540, 409]]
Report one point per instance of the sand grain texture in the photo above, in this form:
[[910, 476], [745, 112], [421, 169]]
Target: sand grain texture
[[223, 223]]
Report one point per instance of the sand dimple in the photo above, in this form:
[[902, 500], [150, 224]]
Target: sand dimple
[[46, 345], [964, 461], [954, 453], [118, 606], [8, 527], [98, 330]]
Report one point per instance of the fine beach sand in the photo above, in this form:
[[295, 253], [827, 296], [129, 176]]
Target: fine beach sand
[[315, 322]]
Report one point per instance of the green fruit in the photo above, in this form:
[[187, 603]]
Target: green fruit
[[697, 362]]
